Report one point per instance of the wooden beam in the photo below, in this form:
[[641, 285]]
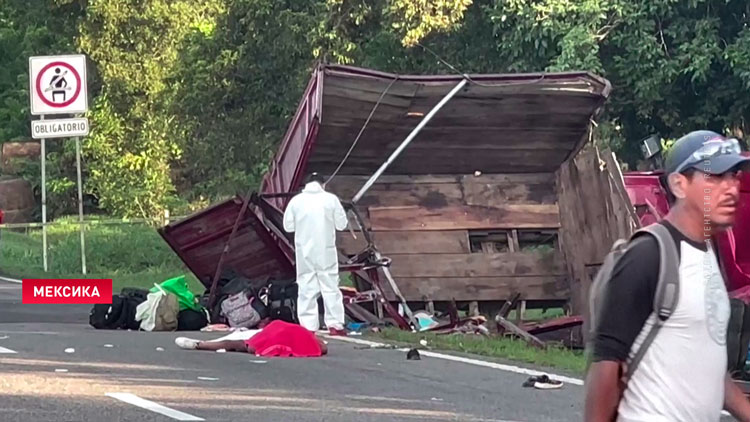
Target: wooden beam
[[465, 217], [496, 288], [478, 265], [513, 328], [500, 179], [496, 195], [514, 241], [438, 242], [399, 194], [473, 308]]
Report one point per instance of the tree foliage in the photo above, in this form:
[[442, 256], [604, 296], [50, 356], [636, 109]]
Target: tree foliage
[[136, 46], [191, 97]]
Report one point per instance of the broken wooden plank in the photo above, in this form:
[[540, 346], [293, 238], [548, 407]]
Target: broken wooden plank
[[509, 305], [465, 217], [553, 324], [477, 264], [432, 242], [514, 329]]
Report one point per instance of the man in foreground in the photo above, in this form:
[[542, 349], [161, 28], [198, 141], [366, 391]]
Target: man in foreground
[[683, 374], [314, 216]]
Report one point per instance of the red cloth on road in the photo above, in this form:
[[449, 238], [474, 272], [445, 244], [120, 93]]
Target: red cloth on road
[[283, 339]]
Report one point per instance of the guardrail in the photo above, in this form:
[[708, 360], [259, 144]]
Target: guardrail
[[112, 222]]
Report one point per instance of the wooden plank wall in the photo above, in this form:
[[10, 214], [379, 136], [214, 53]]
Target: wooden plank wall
[[592, 216], [423, 223]]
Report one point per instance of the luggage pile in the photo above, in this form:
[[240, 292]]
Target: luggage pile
[[242, 302], [171, 306]]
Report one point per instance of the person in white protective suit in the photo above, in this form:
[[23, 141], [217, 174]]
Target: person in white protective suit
[[314, 216]]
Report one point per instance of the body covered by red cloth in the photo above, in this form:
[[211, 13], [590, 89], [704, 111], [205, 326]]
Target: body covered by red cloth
[[283, 339]]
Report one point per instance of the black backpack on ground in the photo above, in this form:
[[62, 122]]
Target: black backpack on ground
[[107, 316], [190, 320], [120, 314], [282, 300]]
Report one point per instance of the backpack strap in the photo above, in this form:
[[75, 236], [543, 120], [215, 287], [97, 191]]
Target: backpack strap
[[667, 288]]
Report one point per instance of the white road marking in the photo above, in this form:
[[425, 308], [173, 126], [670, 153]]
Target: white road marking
[[476, 362], [3, 350], [11, 280], [154, 407]]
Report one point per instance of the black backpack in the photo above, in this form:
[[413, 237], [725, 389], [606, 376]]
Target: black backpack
[[120, 314], [282, 300], [190, 320], [107, 315]]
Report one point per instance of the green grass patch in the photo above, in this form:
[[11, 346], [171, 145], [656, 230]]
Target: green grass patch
[[132, 255], [495, 347]]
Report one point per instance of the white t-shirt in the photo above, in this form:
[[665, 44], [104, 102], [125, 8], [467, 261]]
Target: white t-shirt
[[681, 376]]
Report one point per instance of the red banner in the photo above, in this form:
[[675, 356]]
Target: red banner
[[67, 291]]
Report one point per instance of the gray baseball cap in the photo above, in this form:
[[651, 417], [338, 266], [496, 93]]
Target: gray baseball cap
[[705, 151]]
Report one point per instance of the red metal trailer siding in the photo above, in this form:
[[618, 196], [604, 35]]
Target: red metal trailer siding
[[289, 163], [200, 239], [733, 245]]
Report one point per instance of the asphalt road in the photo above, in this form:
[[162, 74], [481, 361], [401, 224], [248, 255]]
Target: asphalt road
[[41, 382]]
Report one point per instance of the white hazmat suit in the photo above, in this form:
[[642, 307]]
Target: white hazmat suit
[[314, 216]]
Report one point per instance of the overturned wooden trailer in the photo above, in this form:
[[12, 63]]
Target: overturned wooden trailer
[[487, 200], [500, 193]]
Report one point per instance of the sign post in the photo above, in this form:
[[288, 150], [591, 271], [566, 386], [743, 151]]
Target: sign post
[[57, 85], [80, 205], [44, 201]]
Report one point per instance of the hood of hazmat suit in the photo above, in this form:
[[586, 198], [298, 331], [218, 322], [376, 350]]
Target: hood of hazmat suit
[[314, 216]]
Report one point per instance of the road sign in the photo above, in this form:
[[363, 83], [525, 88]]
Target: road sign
[[59, 128], [58, 84]]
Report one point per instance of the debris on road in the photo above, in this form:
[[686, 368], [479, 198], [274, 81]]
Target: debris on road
[[208, 379], [159, 349], [3, 337], [542, 382], [70, 350], [221, 351], [61, 370], [378, 346], [259, 361], [109, 346], [413, 354]]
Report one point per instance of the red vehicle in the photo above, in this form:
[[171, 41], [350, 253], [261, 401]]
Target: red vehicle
[[650, 202]]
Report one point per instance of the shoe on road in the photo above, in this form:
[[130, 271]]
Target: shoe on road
[[337, 332], [186, 343]]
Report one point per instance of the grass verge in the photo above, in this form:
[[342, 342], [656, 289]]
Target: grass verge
[[495, 347], [131, 255]]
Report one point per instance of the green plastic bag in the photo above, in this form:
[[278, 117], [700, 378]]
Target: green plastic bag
[[178, 286]]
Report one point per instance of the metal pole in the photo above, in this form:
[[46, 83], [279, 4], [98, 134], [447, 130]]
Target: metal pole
[[80, 205], [44, 200], [408, 140]]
